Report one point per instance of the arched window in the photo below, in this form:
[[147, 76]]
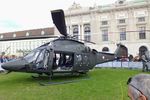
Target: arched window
[[27, 34], [14, 35], [42, 32], [105, 49], [1, 36], [142, 50]]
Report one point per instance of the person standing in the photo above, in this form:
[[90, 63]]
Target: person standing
[[144, 61]]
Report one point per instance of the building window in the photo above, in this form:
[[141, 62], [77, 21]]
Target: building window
[[141, 19], [122, 34], [104, 23], [1, 36], [142, 50], [14, 35], [27, 34], [120, 2], [75, 31], [121, 21], [105, 35], [142, 33], [105, 49], [87, 32], [42, 32]]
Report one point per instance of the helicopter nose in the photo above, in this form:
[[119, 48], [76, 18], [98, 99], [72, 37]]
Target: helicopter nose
[[14, 65]]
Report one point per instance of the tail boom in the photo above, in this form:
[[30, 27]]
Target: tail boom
[[120, 52]]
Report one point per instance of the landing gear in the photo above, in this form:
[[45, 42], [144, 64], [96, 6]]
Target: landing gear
[[64, 82], [40, 75], [50, 75], [83, 72]]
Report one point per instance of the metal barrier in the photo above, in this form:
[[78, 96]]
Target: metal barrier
[[115, 64], [119, 64]]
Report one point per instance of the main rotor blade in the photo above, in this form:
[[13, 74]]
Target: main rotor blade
[[27, 38], [75, 36], [87, 41], [59, 21]]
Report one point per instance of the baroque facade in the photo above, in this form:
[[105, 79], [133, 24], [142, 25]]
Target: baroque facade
[[126, 22]]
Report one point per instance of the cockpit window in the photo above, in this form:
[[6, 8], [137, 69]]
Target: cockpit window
[[40, 57], [32, 56], [79, 58]]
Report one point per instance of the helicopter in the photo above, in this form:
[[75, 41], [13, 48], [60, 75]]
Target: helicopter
[[62, 55]]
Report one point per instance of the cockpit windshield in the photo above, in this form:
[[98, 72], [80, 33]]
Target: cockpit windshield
[[32, 56]]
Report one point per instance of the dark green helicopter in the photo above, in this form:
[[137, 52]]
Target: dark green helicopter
[[62, 55]]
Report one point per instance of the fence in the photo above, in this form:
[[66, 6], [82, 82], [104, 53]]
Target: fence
[[118, 64], [115, 64]]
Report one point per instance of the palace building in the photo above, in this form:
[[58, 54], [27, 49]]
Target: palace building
[[126, 22], [21, 42]]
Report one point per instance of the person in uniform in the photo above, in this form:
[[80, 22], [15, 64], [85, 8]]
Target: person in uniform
[[144, 61]]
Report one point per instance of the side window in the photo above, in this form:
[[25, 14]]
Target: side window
[[79, 58], [40, 57], [32, 56], [86, 58]]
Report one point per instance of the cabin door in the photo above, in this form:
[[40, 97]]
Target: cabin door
[[81, 61], [44, 60]]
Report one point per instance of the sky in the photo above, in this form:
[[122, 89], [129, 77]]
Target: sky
[[18, 15]]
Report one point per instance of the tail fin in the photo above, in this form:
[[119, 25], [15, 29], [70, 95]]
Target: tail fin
[[121, 51]]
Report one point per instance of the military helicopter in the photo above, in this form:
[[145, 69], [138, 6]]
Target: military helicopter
[[62, 55]]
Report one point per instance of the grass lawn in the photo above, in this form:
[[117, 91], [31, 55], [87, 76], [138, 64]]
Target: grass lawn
[[103, 84]]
